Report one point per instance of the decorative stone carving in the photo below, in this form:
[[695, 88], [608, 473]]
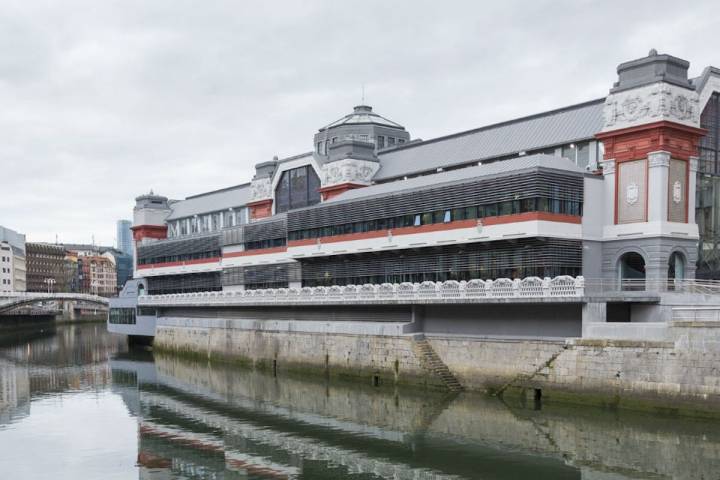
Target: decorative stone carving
[[652, 103], [348, 171], [658, 159], [608, 166], [261, 189], [677, 192], [632, 194]]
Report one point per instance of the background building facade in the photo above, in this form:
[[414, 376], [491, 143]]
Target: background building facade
[[13, 271], [124, 236], [46, 268]]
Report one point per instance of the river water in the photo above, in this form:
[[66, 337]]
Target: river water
[[76, 404]]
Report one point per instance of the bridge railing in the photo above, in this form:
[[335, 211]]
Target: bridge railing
[[12, 296], [426, 292]]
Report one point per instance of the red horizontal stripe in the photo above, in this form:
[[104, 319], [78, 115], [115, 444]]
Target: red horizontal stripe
[[259, 251], [439, 227], [179, 263]]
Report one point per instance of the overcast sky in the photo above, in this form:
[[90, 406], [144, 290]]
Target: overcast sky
[[101, 101]]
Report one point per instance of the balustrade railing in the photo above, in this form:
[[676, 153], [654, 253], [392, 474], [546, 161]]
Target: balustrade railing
[[441, 292]]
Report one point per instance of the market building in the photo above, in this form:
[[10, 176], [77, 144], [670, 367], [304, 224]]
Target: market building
[[621, 188]]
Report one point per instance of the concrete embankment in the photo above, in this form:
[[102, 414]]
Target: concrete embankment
[[680, 374]]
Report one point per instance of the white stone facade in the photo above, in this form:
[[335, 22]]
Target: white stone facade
[[348, 171], [651, 103]]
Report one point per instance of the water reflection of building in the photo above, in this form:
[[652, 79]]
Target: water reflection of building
[[71, 358], [203, 422], [14, 392]]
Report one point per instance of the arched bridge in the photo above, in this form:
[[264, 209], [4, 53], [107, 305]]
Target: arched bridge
[[10, 301]]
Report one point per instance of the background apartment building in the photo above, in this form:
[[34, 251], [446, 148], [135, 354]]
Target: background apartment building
[[12, 261]]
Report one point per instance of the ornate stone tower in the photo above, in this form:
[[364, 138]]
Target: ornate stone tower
[[650, 133], [149, 220], [346, 149]]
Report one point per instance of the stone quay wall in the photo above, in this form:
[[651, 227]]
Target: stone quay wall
[[680, 375], [388, 357]]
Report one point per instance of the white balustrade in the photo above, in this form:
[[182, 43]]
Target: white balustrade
[[448, 291]]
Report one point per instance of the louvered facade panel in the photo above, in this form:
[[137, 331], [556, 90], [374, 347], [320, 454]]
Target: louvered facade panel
[[512, 259], [535, 184]]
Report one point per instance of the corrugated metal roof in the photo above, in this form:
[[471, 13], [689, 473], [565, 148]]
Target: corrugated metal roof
[[566, 125], [211, 202], [486, 170]]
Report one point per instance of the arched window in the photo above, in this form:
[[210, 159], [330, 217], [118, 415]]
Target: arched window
[[631, 271], [297, 188], [676, 269]]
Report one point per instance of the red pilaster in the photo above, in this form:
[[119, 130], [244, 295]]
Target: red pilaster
[[335, 190], [635, 143], [149, 231], [260, 209]]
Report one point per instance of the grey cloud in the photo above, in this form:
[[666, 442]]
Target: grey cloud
[[101, 101]]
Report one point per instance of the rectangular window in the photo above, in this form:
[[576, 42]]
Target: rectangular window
[[583, 154], [391, 141], [363, 138], [447, 217], [416, 221], [380, 141], [570, 152], [527, 205]]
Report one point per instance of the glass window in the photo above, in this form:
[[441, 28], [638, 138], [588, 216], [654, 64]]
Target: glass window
[[363, 138], [427, 218], [527, 205], [228, 219], [416, 221], [569, 152], [447, 216], [380, 141], [297, 188], [583, 154], [391, 141], [313, 183]]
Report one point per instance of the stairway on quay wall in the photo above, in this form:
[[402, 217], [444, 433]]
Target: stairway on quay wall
[[433, 364]]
